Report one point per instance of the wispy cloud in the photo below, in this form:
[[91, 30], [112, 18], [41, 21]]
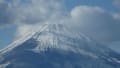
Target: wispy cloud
[[116, 3], [28, 11], [6, 13], [91, 20], [95, 22]]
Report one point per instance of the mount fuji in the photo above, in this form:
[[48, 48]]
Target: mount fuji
[[56, 46]]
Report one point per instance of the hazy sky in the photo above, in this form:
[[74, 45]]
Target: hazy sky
[[98, 19]]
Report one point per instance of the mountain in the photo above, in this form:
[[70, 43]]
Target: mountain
[[56, 46]]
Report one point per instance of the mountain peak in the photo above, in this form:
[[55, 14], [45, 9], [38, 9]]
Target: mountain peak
[[55, 46], [51, 28], [50, 36], [45, 34]]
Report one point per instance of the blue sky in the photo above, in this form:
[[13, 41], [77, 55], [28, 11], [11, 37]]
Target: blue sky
[[7, 36], [18, 13], [105, 4]]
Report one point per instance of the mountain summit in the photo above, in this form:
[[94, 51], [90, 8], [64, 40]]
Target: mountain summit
[[55, 46]]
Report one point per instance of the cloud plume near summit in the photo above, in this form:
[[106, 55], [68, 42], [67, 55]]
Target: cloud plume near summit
[[28, 11], [93, 21]]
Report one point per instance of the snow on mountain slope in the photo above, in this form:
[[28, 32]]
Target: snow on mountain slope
[[55, 46]]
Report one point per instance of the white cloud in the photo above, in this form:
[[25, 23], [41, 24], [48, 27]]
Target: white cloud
[[117, 17], [26, 14], [23, 30], [116, 3], [6, 14], [38, 11], [95, 22], [28, 11], [92, 21]]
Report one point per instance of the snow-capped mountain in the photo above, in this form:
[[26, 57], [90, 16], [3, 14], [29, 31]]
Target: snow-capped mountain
[[55, 46]]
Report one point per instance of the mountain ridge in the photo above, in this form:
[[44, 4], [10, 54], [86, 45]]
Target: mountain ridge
[[55, 43]]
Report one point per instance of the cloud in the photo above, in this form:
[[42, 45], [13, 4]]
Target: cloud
[[117, 16], [116, 3], [95, 23], [32, 13], [92, 21], [27, 14], [6, 14], [39, 11], [28, 11], [23, 30]]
